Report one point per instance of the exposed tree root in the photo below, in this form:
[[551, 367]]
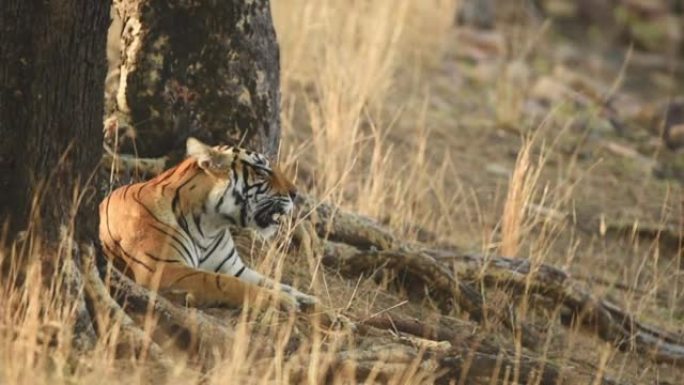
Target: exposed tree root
[[472, 359], [383, 362], [367, 247], [131, 340], [609, 321], [84, 338], [357, 245], [412, 353], [339, 226], [443, 286], [192, 330]]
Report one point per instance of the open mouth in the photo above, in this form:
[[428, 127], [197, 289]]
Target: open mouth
[[268, 218], [276, 218]]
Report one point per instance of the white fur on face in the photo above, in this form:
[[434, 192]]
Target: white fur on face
[[228, 207]]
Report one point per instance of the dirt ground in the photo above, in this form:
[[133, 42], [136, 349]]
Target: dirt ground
[[541, 137], [607, 205]]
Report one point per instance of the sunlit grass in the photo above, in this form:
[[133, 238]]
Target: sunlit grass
[[357, 143]]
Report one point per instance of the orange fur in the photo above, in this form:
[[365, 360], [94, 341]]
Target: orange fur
[[138, 227]]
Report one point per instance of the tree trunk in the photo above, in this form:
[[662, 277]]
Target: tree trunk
[[206, 69], [51, 78]]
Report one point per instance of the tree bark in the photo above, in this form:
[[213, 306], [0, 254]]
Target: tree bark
[[51, 85], [187, 68]]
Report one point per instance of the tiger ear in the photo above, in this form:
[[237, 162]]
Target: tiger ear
[[207, 158]]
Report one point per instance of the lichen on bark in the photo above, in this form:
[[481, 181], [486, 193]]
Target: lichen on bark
[[196, 68]]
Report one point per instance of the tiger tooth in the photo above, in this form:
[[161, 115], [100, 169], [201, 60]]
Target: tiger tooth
[[275, 217]]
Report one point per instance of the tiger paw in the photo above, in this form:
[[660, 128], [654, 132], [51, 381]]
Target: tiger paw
[[305, 302], [296, 302]]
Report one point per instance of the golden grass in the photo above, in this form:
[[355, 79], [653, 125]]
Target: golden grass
[[345, 54], [340, 60], [359, 143]]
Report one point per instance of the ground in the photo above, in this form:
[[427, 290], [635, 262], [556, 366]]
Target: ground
[[434, 147], [540, 139]]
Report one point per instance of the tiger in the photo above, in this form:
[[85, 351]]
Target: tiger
[[172, 232]]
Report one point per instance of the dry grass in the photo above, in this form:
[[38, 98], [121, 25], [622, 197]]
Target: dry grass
[[374, 122], [350, 73]]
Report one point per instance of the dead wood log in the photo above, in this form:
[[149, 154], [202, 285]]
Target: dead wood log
[[381, 362], [470, 358], [339, 226], [474, 360], [609, 321], [357, 244], [440, 281], [669, 235]]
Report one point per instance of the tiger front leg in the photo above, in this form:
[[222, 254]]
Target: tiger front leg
[[303, 301], [204, 288]]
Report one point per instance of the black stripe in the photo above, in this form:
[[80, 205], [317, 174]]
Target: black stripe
[[180, 218], [243, 215], [142, 187], [183, 223], [239, 273], [129, 256], [262, 190], [245, 176], [232, 167], [240, 201], [187, 276], [187, 169], [218, 242], [161, 259], [223, 194], [230, 256], [262, 168], [258, 187], [187, 256], [198, 224], [164, 176], [109, 230], [126, 190], [138, 201]]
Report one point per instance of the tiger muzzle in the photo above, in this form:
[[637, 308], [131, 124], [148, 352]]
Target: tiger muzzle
[[272, 214]]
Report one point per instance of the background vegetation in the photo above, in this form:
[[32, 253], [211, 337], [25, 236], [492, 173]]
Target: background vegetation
[[549, 131]]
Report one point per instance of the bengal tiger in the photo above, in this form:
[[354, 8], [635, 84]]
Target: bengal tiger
[[172, 232]]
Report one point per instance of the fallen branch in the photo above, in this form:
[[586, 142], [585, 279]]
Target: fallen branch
[[339, 226], [469, 360], [610, 322], [439, 280]]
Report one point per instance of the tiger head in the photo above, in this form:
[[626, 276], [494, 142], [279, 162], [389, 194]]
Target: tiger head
[[248, 191]]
